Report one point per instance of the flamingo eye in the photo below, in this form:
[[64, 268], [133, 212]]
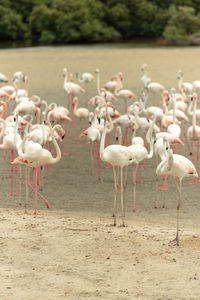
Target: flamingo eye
[[167, 148], [14, 119]]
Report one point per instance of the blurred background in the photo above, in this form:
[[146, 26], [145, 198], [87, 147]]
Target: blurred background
[[33, 22]]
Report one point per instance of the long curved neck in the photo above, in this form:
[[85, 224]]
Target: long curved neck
[[57, 148], [180, 81], [20, 147], [118, 86], [150, 154], [66, 77], [194, 116], [110, 128], [36, 99], [103, 137], [75, 106], [190, 112], [79, 77]]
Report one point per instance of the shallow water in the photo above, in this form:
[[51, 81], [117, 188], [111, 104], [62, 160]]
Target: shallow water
[[69, 185]]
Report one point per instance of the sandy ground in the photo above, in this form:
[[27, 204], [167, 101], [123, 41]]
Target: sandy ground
[[71, 251]]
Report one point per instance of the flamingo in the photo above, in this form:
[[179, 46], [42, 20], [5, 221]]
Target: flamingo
[[115, 82], [3, 78], [126, 121], [123, 93], [187, 87], [70, 87], [140, 153], [193, 132], [179, 167], [85, 77], [10, 139], [79, 112], [116, 156], [155, 89], [33, 155], [93, 135]]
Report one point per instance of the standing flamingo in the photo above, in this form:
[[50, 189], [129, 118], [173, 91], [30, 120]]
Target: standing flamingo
[[193, 133], [70, 87], [79, 112], [179, 167], [29, 155], [117, 156]]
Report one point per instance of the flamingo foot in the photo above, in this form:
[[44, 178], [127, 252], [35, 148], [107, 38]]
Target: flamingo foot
[[162, 188], [198, 179], [193, 182], [107, 166], [10, 195], [26, 211], [65, 153], [36, 212]]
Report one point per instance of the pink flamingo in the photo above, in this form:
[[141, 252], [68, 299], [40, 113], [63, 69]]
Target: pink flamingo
[[70, 87], [124, 94], [9, 143], [36, 158], [79, 112], [179, 167], [117, 156], [193, 133]]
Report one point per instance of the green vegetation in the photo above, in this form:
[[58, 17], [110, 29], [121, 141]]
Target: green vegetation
[[175, 22]]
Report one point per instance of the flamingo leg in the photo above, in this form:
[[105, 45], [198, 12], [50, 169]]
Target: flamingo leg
[[20, 184], [27, 171], [125, 181], [99, 159], [92, 158], [36, 212], [193, 160], [115, 196], [33, 189], [134, 186], [179, 187], [122, 199], [12, 169]]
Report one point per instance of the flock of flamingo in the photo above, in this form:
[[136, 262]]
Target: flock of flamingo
[[29, 127]]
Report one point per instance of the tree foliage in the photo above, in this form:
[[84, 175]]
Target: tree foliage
[[67, 21]]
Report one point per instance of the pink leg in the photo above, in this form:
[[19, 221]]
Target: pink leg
[[92, 159], [36, 212], [140, 175], [38, 177], [99, 159], [12, 169], [107, 143], [193, 160], [35, 190], [27, 169], [134, 186]]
